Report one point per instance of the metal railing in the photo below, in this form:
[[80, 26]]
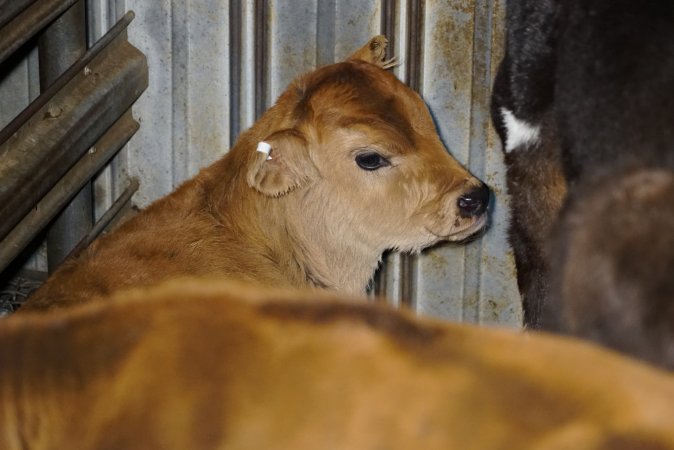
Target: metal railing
[[51, 150]]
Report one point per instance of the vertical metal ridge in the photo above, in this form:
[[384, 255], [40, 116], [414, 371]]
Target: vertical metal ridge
[[119, 167], [478, 139], [409, 264], [179, 81], [28, 23], [387, 282], [261, 58], [33, 74], [382, 284], [326, 11], [235, 50], [61, 45], [387, 26], [415, 42]]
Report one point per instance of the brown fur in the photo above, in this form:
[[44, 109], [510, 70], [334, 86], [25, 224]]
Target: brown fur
[[595, 76], [537, 189], [214, 365], [308, 217], [614, 261]]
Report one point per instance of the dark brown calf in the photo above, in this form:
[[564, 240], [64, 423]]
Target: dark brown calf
[[614, 261], [583, 102]]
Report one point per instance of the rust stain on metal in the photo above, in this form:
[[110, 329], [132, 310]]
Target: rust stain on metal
[[453, 41], [53, 112]]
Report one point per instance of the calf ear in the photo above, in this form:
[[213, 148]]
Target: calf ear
[[287, 167], [374, 52]]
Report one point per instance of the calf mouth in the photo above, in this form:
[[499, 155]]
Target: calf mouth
[[474, 232], [469, 233]]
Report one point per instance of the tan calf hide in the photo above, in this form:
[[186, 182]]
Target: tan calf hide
[[356, 168], [198, 365]]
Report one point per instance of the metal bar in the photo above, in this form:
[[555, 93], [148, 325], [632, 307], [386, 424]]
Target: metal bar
[[62, 44], [39, 153], [59, 47], [414, 62], [28, 23], [26, 230], [235, 30], [69, 74], [477, 156], [261, 57], [325, 32], [387, 27], [415, 42], [388, 16], [110, 215], [9, 9]]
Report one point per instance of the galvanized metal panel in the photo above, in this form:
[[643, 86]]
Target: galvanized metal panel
[[84, 102], [474, 283], [64, 190], [101, 16], [184, 113], [19, 85], [27, 23], [293, 42], [355, 23], [202, 92]]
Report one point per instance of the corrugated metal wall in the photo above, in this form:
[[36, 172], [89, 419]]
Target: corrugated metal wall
[[216, 64]]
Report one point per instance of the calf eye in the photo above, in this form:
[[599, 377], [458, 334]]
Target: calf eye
[[371, 161]]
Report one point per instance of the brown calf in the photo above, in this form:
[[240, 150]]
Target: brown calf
[[356, 168], [214, 365]]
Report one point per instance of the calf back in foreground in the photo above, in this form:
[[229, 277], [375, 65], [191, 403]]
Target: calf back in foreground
[[208, 365]]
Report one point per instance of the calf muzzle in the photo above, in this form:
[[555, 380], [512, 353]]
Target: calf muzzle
[[475, 202]]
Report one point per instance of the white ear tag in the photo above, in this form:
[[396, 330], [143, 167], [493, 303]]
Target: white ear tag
[[264, 147]]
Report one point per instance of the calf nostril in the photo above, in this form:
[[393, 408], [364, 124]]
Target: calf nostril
[[475, 202]]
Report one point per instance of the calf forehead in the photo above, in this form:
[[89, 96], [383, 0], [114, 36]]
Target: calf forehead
[[349, 94]]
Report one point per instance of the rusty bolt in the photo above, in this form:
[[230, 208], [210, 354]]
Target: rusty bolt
[[53, 112]]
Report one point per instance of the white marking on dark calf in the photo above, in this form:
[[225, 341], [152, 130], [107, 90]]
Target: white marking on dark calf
[[518, 131]]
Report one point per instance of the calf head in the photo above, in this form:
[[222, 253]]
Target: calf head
[[359, 163]]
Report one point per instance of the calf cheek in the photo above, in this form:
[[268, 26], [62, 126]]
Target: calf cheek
[[376, 214], [398, 209], [438, 206]]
